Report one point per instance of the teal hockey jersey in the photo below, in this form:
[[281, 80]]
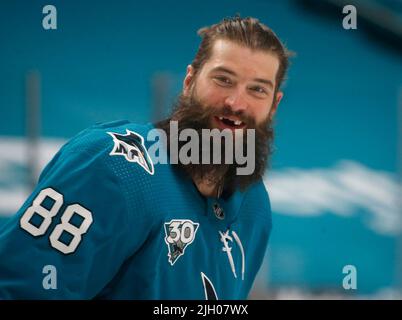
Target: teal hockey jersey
[[106, 222]]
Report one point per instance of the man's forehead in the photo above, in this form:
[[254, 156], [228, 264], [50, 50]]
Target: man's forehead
[[242, 60]]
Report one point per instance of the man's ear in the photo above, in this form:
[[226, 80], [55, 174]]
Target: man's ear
[[278, 98], [188, 79]]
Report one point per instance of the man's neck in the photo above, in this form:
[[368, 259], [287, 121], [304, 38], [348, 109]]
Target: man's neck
[[208, 188]]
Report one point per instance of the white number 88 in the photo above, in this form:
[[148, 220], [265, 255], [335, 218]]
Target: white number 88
[[65, 225]]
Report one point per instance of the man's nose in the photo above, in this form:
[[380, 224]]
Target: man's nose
[[237, 102]]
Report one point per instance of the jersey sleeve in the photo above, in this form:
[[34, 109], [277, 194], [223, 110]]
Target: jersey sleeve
[[72, 234]]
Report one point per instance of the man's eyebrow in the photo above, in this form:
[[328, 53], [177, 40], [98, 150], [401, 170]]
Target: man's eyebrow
[[264, 81], [226, 70]]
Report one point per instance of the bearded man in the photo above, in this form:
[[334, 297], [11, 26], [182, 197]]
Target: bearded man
[[115, 224]]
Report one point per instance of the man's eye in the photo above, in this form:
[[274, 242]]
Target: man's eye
[[259, 90], [223, 80]]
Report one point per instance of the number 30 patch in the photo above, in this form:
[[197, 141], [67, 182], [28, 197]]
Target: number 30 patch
[[65, 225], [179, 234]]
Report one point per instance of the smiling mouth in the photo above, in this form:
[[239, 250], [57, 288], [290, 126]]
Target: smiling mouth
[[226, 123]]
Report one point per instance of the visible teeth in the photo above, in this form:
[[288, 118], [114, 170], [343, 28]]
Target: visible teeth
[[235, 122]]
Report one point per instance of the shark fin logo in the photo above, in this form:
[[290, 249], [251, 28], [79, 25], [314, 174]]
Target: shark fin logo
[[209, 290], [179, 234], [131, 146]]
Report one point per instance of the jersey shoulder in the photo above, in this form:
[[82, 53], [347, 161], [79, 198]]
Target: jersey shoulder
[[115, 146], [120, 150], [107, 159], [103, 137]]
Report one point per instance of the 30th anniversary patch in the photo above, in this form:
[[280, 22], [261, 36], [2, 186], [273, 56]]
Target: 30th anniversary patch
[[179, 234]]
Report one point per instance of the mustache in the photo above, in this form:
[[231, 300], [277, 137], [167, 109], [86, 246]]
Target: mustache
[[226, 111], [190, 108]]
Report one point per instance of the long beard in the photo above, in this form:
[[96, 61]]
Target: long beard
[[192, 114]]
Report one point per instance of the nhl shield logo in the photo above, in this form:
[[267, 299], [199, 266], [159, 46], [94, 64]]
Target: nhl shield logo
[[179, 234]]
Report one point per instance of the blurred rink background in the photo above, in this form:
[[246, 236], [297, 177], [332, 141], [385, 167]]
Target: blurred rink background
[[335, 183]]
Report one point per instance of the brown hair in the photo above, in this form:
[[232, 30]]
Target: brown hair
[[248, 32]]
